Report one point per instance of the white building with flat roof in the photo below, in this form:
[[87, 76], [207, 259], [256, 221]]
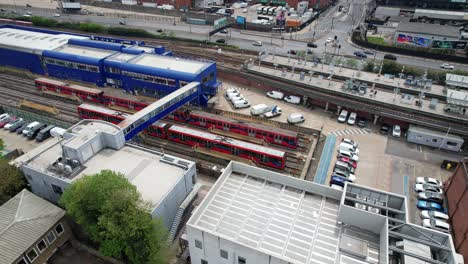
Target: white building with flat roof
[[92, 146], [252, 215]]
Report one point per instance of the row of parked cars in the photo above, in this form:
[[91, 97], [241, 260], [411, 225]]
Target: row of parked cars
[[346, 164], [29, 129], [236, 99], [430, 201], [293, 118], [352, 118]]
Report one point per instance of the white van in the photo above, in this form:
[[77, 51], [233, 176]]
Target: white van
[[348, 147], [292, 99], [31, 127], [295, 118], [233, 96], [240, 103], [343, 116], [259, 109], [275, 95], [231, 91], [347, 154]]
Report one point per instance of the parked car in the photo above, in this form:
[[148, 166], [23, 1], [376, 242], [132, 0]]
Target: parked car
[[352, 118], [329, 40], [292, 52], [234, 96], [368, 52], [20, 129], [292, 99], [345, 166], [34, 131], [350, 142], [123, 23], [241, 103], [295, 118], [384, 129], [427, 188], [276, 111], [447, 66], [348, 147], [44, 133], [361, 122], [6, 120], [337, 180], [347, 154], [431, 196], [425, 214], [259, 109], [396, 131], [257, 43], [344, 174], [349, 161], [221, 41], [436, 224], [390, 57], [360, 54], [428, 180], [275, 95], [230, 90], [17, 125], [311, 45], [336, 187], [426, 205], [343, 116], [12, 122]]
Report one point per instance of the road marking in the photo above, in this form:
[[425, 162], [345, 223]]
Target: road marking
[[419, 148], [405, 185]]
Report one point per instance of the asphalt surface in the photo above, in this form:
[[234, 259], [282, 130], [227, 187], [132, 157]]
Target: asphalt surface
[[330, 24]]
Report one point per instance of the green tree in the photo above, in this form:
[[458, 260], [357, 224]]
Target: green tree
[[12, 180], [369, 67], [113, 214]]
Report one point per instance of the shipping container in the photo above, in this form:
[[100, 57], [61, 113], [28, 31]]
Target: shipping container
[[435, 139]]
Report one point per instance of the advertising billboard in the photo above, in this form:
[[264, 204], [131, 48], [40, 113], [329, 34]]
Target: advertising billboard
[[218, 23], [413, 40], [240, 20], [440, 44]]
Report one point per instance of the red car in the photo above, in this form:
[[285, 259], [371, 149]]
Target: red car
[[6, 121], [349, 161]]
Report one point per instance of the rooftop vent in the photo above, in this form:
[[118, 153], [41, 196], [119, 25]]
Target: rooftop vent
[[175, 161]]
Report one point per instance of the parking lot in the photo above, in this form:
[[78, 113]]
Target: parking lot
[[14, 141], [385, 162]]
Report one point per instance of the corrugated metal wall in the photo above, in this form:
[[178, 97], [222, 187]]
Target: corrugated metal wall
[[456, 191]]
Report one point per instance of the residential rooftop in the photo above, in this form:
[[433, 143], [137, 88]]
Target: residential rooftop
[[298, 221]]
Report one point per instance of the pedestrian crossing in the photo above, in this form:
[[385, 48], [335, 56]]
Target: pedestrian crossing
[[351, 131]]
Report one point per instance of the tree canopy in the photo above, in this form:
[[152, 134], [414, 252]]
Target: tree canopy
[[12, 180], [111, 211]]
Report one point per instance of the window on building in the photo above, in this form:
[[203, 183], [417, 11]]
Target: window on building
[[57, 189], [204, 261], [241, 260], [51, 237], [32, 255], [21, 261], [198, 244], [59, 229], [224, 254], [41, 245], [82, 67]]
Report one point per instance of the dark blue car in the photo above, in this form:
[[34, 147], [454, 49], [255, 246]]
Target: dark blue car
[[426, 205], [360, 54], [338, 180]]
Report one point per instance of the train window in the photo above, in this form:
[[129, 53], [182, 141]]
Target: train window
[[81, 67], [60, 63], [171, 82]]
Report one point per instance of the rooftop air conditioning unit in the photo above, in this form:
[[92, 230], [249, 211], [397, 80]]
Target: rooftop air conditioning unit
[[360, 206], [68, 169]]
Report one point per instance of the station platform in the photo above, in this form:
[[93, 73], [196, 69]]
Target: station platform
[[381, 97], [435, 91]]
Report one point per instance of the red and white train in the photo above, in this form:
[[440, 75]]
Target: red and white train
[[272, 135], [195, 138]]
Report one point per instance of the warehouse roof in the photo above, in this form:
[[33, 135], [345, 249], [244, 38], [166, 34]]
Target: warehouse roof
[[123, 57], [85, 51], [30, 40], [170, 63], [23, 220], [137, 164], [456, 80], [429, 29]]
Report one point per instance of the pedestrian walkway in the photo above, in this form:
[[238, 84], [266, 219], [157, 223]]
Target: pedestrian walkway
[[351, 131], [325, 159]]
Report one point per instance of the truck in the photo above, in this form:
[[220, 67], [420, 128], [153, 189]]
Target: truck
[[259, 109]]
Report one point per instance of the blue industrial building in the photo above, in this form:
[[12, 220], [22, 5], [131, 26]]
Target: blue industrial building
[[103, 61]]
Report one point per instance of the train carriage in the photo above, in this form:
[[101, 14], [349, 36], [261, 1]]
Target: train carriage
[[125, 103], [259, 154], [273, 135], [85, 93], [158, 129], [88, 111]]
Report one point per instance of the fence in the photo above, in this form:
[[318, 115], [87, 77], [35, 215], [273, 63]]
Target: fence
[[36, 117]]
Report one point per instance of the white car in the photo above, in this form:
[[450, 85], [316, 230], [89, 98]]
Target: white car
[[427, 188], [295, 118], [428, 180], [292, 99], [336, 187], [343, 116], [7, 126], [352, 118], [245, 10], [447, 66], [425, 214], [436, 224], [56, 15], [242, 103], [230, 90], [348, 147], [350, 141], [257, 43], [275, 95], [329, 40], [396, 131], [347, 154]]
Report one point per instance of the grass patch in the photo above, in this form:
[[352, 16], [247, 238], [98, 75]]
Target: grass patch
[[377, 41]]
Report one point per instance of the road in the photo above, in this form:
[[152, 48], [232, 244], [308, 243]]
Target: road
[[330, 24]]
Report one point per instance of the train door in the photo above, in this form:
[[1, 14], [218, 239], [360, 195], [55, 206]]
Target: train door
[[208, 144], [202, 121], [235, 151], [278, 138], [225, 126], [251, 132]]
